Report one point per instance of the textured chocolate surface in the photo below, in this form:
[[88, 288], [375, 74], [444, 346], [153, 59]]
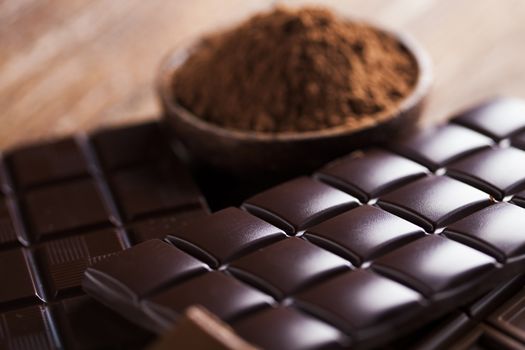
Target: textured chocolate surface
[[67, 204], [299, 203], [273, 327], [287, 266], [499, 118], [495, 171], [379, 171], [357, 265], [363, 233], [229, 238], [434, 148], [498, 230]]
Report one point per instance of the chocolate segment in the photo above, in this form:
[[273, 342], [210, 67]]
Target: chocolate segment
[[287, 266], [138, 274], [363, 233], [55, 161], [160, 227], [288, 328], [58, 208], [367, 177], [299, 203], [222, 294], [497, 230], [235, 232], [434, 201], [361, 301], [499, 172], [498, 118], [21, 286], [154, 188], [361, 265], [434, 148], [27, 328], [435, 264], [125, 147], [63, 261]]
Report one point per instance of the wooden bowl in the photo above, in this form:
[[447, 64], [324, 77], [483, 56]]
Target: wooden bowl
[[250, 153]]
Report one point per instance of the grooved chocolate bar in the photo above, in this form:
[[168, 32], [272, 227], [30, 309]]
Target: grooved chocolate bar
[[70, 203], [369, 248]]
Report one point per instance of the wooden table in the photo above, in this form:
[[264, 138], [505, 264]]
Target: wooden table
[[68, 65]]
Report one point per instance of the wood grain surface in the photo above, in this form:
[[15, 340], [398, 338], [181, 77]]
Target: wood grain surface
[[68, 65]]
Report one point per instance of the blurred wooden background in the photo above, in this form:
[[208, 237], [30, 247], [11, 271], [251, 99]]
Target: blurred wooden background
[[68, 65]]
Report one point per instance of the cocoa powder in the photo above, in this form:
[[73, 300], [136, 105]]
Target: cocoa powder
[[295, 70]]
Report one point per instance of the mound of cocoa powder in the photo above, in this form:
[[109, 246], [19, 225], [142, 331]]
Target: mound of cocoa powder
[[295, 70]]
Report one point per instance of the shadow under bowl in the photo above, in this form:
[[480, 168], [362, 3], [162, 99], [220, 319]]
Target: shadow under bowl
[[280, 155]]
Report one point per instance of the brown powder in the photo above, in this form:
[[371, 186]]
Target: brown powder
[[295, 70]]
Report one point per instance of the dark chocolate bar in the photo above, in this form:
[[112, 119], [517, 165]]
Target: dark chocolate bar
[[369, 248], [67, 204]]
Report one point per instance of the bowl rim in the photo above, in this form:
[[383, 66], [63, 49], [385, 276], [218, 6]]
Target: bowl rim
[[172, 109]]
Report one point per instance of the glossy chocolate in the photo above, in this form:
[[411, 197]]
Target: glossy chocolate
[[288, 328], [235, 232], [136, 275], [498, 118], [498, 230], [359, 303], [434, 148], [435, 264], [288, 266], [218, 292], [357, 270], [363, 233], [434, 201], [299, 203], [368, 176], [499, 171]]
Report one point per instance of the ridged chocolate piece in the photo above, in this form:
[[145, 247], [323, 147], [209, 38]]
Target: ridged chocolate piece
[[372, 246], [67, 204]]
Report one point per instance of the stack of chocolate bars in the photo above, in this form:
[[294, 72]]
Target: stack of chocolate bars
[[68, 204], [415, 244]]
